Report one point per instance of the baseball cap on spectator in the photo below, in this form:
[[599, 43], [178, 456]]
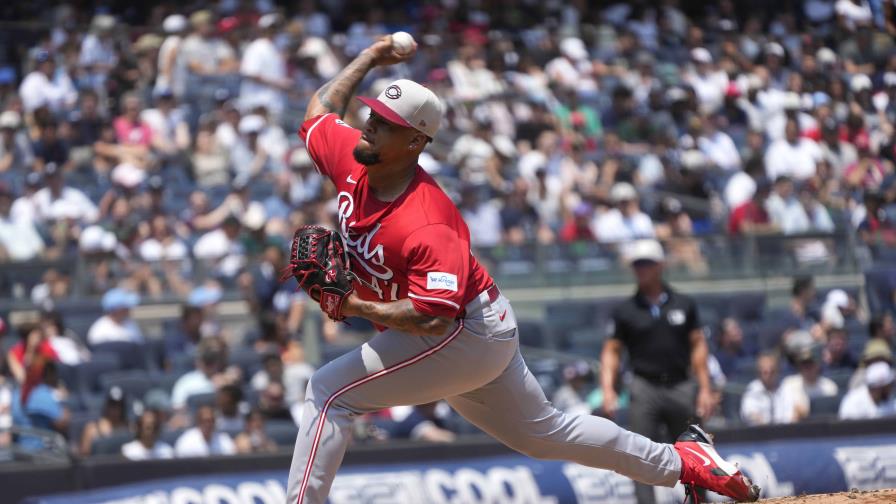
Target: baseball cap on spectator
[[693, 160], [672, 206], [203, 296], [156, 183], [408, 104], [889, 79], [201, 17], [623, 191], [32, 180], [119, 299], [701, 55], [255, 216], [791, 101], [157, 400], [128, 175], [102, 22], [859, 82], [774, 49], [51, 170], [42, 56], [644, 251], [830, 125], [676, 94], [269, 20], [826, 56], [574, 48], [96, 239], [582, 209], [10, 119], [228, 24], [876, 350], [820, 99], [147, 42], [878, 375], [174, 23], [250, 124]]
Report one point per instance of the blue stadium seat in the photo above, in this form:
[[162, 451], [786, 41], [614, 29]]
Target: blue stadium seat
[[130, 355], [170, 435], [197, 400], [824, 406], [282, 432], [246, 358], [77, 423], [135, 383], [111, 445], [91, 371]]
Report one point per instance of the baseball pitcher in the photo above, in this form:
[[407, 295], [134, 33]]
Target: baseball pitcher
[[401, 258]]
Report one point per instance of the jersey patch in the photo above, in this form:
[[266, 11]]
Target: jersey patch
[[436, 280], [676, 317]]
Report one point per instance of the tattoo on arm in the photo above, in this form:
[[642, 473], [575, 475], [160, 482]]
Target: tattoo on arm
[[402, 315], [334, 96]]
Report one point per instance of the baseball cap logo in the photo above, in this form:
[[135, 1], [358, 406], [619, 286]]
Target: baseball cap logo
[[393, 92]]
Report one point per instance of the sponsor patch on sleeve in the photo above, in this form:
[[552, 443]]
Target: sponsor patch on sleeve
[[436, 280]]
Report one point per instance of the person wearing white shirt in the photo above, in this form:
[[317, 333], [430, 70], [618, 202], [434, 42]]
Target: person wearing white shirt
[[472, 152], [718, 147], [482, 217], [204, 440], [19, 240], [222, 247], [44, 88], [57, 201], [708, 82], [162, 244], [211, 359], [174, 26], [572, 69], [874, 399], [853, 14], [785, 210], [263, 68], [763, 402], [147, 446], [807, 384], [625, 221], [116, 324], [793, 156]]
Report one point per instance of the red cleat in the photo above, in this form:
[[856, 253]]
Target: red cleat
[[703, 467]]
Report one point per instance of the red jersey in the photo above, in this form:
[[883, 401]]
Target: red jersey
[[34, 372], [417, 246], [746, 212]]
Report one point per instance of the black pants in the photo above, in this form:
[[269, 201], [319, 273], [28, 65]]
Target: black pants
[[655, 406]]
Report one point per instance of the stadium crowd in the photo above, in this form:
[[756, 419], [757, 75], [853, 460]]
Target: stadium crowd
[[158, 148]]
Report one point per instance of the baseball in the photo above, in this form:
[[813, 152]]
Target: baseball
[[402, 42]]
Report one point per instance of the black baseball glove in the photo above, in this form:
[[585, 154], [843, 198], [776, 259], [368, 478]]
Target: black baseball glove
[[320, 263]]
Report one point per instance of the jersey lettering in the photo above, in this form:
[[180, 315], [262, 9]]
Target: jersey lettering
[[359, 246]]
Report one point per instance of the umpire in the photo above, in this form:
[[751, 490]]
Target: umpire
[[667, 351]]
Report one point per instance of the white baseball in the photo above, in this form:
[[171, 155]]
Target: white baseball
[[402, 42]]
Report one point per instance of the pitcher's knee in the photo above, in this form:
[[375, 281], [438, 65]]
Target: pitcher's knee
[[317, 390]]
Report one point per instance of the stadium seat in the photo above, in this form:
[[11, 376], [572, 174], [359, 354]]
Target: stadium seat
[[747, 306], [824, 406], [531, 333], [197, 400], [98, 365], [246, 358], [731, 397], [135, 383], [111, 445], [130, 355], [77, 423], [282, 432], [170, 436]]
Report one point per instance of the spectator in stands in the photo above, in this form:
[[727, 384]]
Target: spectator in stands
[[58, 202], [423, 424], [730, 345], [202, 53], [264, 69], [661, 330], [875, 351], [578, 224], [28, 357], [808, 383], [116, 324], [50, 148], [254, 439], [211, 373], [16, 154], [272, 402], [625, 221], [575, 394], [45, 88], [68, 346], [43, 408], [19, 239], [793, 155], [482, 216], [146, 444], [837, 356], [838, 153], [764, 401], [751, 218], [204, 439], [837, 310], [174, 26], [168, 127], [228, 400], [874, 399], [222, 248], [6, 397], [113, 420], [881, 327], [183, 339]]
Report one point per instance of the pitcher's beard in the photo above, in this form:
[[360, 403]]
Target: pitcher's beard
[[366, 158]]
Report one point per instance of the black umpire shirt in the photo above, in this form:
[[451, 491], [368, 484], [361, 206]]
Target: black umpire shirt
[[657, 337]]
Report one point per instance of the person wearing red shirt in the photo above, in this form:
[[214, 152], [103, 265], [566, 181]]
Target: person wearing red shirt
[[26, 359], [447, 331], [578, 226], [750, 216]]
